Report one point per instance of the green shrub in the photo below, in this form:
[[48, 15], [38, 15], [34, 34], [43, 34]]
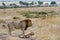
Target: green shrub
[[38, 14], [33, 14]]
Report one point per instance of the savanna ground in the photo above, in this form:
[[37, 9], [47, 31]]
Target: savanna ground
[[44, 29]]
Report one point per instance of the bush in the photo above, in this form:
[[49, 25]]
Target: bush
[[38, 14], [15, 17], [33, 14]]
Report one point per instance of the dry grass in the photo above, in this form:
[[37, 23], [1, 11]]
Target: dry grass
[[47, 29]]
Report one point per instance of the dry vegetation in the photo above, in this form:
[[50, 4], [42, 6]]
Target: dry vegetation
[[44, 29]]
